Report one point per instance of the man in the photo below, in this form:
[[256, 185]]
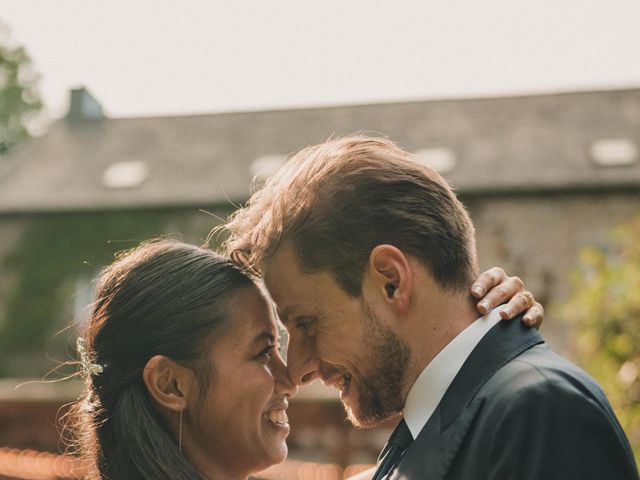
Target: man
[[368, 257]]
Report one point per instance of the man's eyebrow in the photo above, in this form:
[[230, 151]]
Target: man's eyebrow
[[291, 312], [265, 334], [285, 313]]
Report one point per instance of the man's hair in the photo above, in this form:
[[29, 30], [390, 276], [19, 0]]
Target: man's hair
[[334, 202]]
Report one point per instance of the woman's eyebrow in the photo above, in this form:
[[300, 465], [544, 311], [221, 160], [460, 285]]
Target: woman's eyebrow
[[265, 334]]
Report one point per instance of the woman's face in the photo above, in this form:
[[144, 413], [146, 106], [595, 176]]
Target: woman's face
[[240, 424]]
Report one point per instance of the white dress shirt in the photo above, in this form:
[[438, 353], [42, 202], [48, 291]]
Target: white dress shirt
[[433, 382]]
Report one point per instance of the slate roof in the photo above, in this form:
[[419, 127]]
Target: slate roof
[[529, 143]]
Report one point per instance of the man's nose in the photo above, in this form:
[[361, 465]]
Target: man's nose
[[302, 364], [284, 384]]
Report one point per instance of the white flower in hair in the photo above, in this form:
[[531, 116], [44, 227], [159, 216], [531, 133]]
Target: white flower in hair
[[87, 367]]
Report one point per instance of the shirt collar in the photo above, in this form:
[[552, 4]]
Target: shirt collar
[[431, 385]]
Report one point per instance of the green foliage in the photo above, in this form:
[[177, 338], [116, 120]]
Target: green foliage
[[51, 255], [19, 99], [605, 312]]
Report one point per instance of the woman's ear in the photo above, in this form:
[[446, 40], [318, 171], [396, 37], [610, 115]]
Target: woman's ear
[[168, 382], [391, 274]]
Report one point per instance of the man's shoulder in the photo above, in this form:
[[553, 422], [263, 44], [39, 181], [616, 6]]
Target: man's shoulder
[[540, 416], [539, 375], [535, 402]]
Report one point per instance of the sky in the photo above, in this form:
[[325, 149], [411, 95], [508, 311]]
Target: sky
[[161, 57]]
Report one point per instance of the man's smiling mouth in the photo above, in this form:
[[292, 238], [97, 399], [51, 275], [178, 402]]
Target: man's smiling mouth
[[341, 383]]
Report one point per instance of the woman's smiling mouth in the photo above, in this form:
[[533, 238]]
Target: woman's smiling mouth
[[278, 417]]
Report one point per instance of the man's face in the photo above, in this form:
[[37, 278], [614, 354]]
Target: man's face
[[339, 339]]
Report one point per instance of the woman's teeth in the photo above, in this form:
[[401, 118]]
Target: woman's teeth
[[278, 416]]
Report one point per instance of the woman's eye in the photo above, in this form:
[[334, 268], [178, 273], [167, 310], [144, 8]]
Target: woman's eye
[[267, 353]]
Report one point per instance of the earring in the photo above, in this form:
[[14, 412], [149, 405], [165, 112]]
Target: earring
[[180, 433]]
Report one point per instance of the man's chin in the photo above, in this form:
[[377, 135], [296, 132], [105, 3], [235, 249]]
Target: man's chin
[[356, 419], [352, 408], [358, 416]]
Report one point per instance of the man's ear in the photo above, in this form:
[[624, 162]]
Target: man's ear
[[168, 382], [391, 275]]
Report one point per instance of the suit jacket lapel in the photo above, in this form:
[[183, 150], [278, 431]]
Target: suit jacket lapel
[[430, 455]]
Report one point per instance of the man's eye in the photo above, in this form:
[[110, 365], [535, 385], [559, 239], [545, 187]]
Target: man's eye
[[306, 326]]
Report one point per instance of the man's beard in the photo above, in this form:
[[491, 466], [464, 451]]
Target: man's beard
[[380, 389]]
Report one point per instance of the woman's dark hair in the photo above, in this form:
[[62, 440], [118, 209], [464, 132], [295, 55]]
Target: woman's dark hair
[[162, 298]]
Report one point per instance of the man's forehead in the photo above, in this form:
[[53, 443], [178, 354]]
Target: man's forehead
[[292, 290], [284, 310], [282, 278], [285, 314], [283, 259]]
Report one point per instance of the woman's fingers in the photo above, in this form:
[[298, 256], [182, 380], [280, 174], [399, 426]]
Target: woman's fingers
[[520, 302], [534, 315], [494, 287], [507, 289], [487, 280]]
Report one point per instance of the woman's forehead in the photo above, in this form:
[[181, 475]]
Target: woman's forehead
[[251, 314]]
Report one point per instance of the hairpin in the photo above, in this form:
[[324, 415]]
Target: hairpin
[[87, 367]]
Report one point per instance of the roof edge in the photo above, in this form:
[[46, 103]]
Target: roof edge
[[403, 101], [487, 192]]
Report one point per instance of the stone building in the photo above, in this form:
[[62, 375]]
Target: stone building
[[542, 176]]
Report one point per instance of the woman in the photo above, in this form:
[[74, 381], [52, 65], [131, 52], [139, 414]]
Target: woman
[[184, 376]]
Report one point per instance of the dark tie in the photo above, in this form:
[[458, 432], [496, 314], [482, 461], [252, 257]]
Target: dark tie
[[392, 452]]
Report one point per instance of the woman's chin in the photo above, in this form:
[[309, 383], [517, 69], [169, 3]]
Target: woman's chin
[[272, 444], [280, 453], [275, 455]]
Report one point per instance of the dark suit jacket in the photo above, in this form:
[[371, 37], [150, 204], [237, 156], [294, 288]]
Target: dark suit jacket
[[516, 410]]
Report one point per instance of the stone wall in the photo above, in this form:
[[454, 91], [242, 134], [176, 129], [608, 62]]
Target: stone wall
[[539, 238]]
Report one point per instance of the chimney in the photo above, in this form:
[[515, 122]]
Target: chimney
[[83, 107]]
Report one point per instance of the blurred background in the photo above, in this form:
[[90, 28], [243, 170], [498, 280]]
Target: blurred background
[[121, 121]]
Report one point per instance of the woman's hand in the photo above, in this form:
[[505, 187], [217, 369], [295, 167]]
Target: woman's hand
[[495, 287]]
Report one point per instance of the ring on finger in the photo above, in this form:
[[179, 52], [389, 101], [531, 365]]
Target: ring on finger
[[529, 297]]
